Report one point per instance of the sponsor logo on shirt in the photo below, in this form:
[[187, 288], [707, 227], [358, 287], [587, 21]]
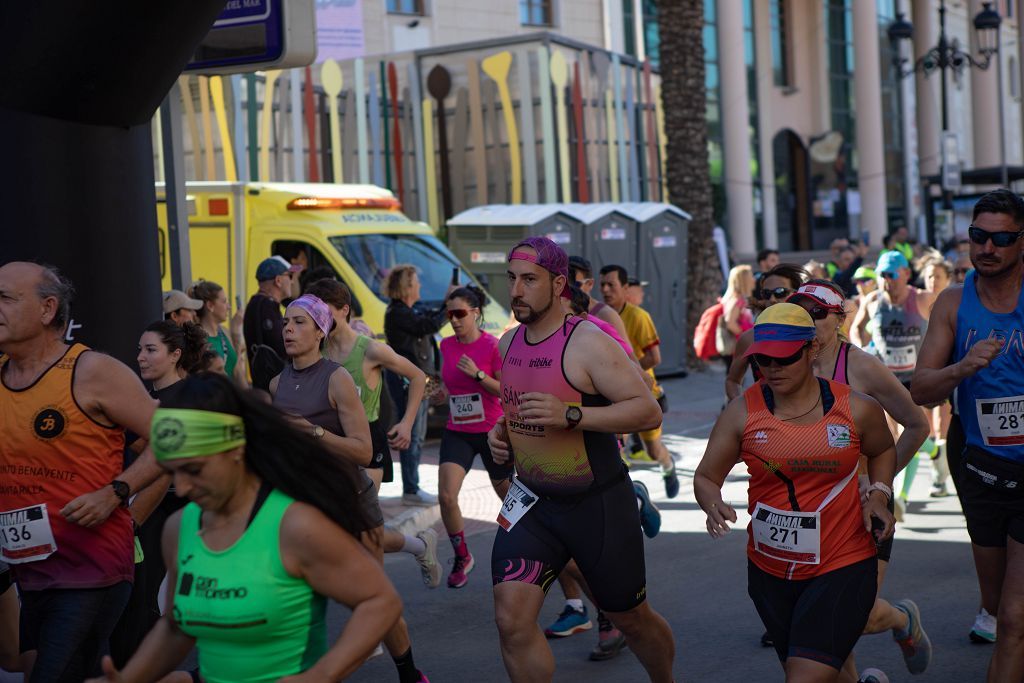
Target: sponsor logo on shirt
[[838, 436]]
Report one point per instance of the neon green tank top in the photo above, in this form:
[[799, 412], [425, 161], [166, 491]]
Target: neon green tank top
[[354, 365], [252, 621]]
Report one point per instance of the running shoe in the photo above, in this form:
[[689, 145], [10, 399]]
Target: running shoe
[[640, 456], [461, 567], [899, 508], [609, 640], [916, 647], [939, 491], [766, 640], [984, 630], [671, 482], [650, 517], [570, 622], [430, 568], [873, 676]]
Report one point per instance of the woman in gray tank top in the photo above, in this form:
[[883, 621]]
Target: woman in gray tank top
[[321, 396]]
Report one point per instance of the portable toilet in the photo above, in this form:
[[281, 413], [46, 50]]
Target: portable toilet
[[482, 236], [609, 236], [662, 243]]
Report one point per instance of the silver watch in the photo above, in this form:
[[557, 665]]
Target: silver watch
[[318, 431]]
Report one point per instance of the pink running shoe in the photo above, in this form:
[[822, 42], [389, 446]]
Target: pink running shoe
[[461, 567]]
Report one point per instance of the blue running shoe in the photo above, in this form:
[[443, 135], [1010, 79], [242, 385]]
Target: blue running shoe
[[916, 647], [671, 482], [650, 517], [569, 622]]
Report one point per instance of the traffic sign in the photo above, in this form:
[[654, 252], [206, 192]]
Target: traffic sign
[[255, 35]]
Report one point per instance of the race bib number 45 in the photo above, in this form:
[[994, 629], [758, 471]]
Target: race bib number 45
[[786, 535], [25, 535], [517, 503], [1001, 420]]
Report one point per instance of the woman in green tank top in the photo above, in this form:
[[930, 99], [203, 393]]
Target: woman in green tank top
[[253, 558], [365, 359]]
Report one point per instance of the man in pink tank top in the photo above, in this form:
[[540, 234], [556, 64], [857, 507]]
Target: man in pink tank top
[[567, 390]]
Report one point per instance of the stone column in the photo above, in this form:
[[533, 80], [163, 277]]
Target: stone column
[[870, 145], [984, 104], [735, 113], [929, 90]]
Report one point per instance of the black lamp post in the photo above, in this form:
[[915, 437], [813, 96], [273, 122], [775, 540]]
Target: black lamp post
[[947, 55]]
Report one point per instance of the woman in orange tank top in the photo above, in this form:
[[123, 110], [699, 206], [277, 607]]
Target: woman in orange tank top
[[811, 543]]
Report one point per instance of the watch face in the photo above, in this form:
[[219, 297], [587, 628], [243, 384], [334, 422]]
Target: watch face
[[574, 414]]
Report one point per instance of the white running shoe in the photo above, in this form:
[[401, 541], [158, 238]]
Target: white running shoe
[[984, 629], [430, 568], [421, 498], [873, 676]]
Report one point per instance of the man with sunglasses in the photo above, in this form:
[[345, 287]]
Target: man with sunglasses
[[898, 317], [980, 327]]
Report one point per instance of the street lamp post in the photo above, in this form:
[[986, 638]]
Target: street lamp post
[[947, 55]]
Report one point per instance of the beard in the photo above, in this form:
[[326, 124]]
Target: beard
[[532, 315]]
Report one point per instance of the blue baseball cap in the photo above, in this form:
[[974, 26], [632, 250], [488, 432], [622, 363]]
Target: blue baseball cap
[[270, 268], [891, 262]]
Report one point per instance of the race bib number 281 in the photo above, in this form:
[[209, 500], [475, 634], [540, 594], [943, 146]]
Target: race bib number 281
[[1001, 420], [25, 535]]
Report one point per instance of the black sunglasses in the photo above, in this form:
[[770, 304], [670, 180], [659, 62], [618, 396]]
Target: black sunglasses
[[764, 361], [778, 293], [1000, 239]]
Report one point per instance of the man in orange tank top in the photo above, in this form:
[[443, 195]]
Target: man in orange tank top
[[567, 388], [64, 525]]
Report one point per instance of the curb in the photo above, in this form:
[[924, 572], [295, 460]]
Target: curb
[[407, 519]]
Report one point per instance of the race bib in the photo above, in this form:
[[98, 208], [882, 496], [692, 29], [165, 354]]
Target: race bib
[[786, 535], [25, 535], [518, 502], [900, 358], [466, 409], [1001, 420]]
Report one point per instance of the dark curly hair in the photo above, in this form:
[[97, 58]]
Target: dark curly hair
[[190, 339]]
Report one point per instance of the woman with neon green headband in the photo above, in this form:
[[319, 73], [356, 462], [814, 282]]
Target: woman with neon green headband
[[267, 538]]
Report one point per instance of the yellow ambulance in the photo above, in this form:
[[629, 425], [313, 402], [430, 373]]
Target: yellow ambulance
[[355, 232]]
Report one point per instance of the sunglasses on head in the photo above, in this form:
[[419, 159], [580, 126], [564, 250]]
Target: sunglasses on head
[[778, 293], [1000, 239], [764, 361], [459, 313]]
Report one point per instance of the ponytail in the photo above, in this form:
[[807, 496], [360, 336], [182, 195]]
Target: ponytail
[[473, 295], [190, 339]]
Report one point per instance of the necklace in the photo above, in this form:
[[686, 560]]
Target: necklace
[[797, 417]]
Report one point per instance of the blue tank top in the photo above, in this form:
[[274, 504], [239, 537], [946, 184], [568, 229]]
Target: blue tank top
[[991, 402]]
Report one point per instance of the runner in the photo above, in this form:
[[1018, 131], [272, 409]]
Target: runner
[[801, 438], [643, 336], [63, 413], [842, 362], [582, 274], [266, 526], [365, 360], [776, 286], [471, 370], [572, 498], [979, 327], [167, 354], [320, 396], [261, 323], [898, 315], [937, 275], [212, 317]]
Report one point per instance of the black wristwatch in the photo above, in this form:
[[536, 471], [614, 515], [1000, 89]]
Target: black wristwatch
[[121, 490], [573, 415], [480, 375]]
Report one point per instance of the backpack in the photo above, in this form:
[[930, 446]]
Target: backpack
[[704, 336], [264, 365]]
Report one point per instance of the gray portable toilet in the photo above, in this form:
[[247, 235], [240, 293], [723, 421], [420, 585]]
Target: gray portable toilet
[[662, 243], [609, 236], [482, 236]]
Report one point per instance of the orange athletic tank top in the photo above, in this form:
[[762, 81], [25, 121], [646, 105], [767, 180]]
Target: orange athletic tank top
[[806, 468], [52, 452]]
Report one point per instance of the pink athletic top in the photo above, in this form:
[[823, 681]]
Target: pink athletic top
[[842, 359], [471, 408], [553, 461], [613, 333]]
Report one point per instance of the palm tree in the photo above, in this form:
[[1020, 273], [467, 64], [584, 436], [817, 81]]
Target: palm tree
[[681, 26]]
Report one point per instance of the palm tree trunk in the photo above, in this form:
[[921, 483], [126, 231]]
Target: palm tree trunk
[[681, 26]]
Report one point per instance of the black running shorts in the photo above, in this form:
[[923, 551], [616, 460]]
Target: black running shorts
[[992, 513], [461, 447], [820, 618], [601, 532]]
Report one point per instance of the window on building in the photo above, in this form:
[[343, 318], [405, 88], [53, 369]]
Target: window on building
[[536, 13], [405, 7], [780, 32]]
